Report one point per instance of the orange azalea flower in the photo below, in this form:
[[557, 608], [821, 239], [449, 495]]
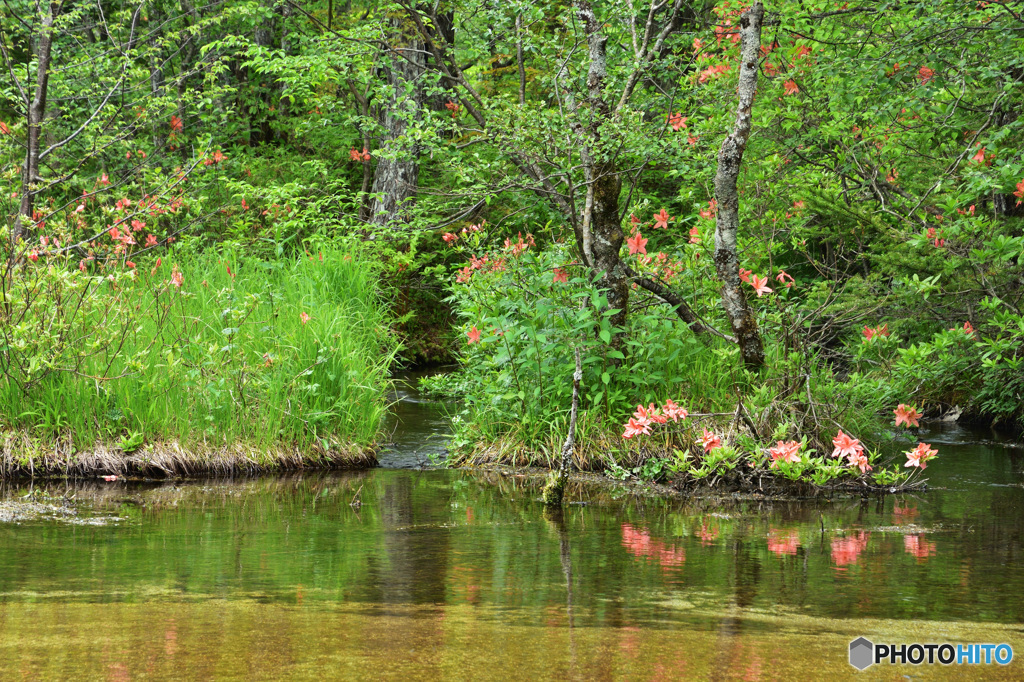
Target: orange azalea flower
[[677, 121], [870, 333], [709, 440], [786, 452], [661, 219], [906, 415], [760, 285], [637, 244], [860, 460], [673, 411], [846, 445], [920, 455], [650, 414], [636, 428]]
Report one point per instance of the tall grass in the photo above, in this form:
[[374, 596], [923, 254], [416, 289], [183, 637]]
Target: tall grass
[[227, 358]]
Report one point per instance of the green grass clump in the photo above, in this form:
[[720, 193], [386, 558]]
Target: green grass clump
[[291, 353]]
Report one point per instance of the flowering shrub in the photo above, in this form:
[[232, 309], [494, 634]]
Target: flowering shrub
[[527, 307], [697, 458]]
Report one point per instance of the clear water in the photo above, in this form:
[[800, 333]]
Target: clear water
[[459, 575]]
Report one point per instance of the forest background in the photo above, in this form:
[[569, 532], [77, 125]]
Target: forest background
[[227, 222]]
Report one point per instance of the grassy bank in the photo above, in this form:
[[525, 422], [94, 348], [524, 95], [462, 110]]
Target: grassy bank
[[192, 364]]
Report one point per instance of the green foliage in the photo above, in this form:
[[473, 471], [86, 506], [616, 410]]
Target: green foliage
[[518, 375], [230, 356], [882, 180]]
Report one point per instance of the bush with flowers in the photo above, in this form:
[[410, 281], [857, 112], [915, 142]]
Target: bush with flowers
[[701, 419]]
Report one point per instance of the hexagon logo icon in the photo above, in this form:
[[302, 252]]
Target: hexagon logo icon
[[862, 653]]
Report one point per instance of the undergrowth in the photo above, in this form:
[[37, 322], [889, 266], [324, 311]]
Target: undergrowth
[[211, 349]]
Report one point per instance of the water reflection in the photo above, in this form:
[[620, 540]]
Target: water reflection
[[902, 514], [639, 543], [708, 534], [450, 574], [847, 550], [783, 541], [418, 426], [919, 547]]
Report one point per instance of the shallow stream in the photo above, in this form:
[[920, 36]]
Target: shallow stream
[[443, 574]]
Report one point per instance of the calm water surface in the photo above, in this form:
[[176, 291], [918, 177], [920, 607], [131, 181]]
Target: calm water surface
[[448, 575]]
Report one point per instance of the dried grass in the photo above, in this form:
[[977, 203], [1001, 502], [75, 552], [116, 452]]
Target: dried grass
[[22, 454]]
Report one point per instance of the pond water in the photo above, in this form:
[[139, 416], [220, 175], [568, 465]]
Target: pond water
[[458, 575]]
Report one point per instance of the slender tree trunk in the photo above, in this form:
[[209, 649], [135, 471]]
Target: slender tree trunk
[[395, 179], [157, 81], [554, 490], [1006, 205], [287, 48], [36, 113], [259, 121], [730, 158], [362, 100], [519, 60], [442, 35]]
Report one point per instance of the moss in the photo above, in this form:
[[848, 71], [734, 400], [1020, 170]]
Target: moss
[[554, 489]]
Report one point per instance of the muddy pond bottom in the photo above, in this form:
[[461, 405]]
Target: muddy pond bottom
[[459, 575]]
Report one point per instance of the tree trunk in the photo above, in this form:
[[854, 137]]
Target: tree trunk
[[259, 120], [1006, 205], [157, 81], [601, 228], [730, 157], [442, 34], [395, 179], [554, 490], [36, 114]]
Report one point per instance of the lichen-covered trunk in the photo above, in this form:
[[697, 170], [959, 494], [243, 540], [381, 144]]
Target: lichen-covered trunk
[[36, 113], [601, 228], [397, 173], [730, 158], [606, 242], [554, 490]]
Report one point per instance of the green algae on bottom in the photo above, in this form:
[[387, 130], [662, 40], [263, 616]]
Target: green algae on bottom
[[252, 640]]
